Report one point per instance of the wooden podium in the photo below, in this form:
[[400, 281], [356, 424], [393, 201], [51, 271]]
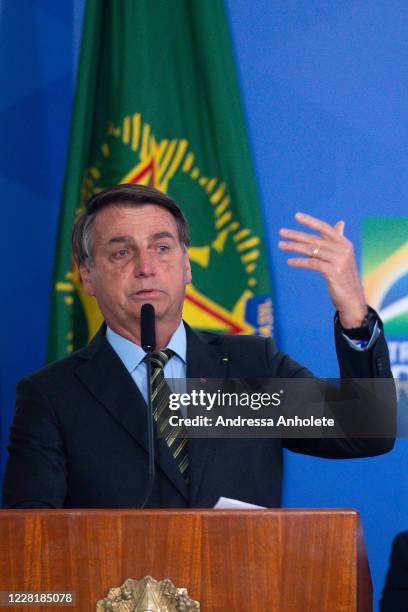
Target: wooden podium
[[266, 560]]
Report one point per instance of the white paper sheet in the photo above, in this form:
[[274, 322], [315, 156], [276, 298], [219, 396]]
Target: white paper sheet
[[235, 504]]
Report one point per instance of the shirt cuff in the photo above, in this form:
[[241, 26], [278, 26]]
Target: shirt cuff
[[364, 345]]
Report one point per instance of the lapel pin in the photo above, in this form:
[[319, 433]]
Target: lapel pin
[[225, 358]]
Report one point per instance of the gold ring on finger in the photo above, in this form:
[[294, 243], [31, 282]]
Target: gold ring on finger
[[315, 251]]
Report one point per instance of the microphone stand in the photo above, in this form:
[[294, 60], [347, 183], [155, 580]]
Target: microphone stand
[[148, 342], [150, 429]]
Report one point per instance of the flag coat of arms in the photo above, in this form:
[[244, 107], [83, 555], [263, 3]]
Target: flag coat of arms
[[157, 103]]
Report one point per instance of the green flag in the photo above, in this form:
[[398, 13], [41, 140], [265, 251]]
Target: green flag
[[157, 103]]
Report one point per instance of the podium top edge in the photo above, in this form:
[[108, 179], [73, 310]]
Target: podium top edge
[[204, 512]]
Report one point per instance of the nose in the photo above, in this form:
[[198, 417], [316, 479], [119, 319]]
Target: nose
[[144, 264]]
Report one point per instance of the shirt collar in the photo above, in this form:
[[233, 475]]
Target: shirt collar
[[132, 354]]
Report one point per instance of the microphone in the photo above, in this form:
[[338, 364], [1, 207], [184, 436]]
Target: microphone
[[148, 341], [148, 328]]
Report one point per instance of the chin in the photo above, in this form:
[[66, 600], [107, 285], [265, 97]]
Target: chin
[[156, 305]]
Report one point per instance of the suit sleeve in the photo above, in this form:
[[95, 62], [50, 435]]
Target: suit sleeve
[[373, 363], [36, 469]]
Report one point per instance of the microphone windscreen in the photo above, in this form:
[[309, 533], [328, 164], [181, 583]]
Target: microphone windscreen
[[147, 327]]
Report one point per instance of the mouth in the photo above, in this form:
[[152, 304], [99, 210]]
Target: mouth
[[146, 293]]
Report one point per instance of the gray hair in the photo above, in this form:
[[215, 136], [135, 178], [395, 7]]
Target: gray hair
[[121, 195]]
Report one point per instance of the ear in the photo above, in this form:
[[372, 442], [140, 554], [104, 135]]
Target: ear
[[187, 268], [86, 279]]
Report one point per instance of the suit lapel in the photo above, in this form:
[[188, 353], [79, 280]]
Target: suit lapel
[[205, 359], [105, 376]]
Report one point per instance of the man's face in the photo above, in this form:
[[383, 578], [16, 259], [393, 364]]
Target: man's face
[[137, 259]]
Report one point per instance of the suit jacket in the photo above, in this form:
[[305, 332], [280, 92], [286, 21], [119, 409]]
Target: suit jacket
[[395, 593], [79, 435]]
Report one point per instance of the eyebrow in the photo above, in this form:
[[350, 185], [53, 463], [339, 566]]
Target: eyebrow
[[120, 239], [158, 236]]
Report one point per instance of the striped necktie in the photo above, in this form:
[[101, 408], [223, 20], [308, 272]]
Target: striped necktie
[[175, 440]]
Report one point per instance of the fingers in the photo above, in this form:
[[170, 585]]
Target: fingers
[[328, 252], [329, 244], [317, 225], [294, 237], [323, 253], [309, 263], [300, 236], [339, 227], [325, 230]]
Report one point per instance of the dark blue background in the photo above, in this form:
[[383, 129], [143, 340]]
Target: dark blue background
[[324, 84]]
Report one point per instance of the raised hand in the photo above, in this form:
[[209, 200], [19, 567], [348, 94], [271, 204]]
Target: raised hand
[[331, 254]]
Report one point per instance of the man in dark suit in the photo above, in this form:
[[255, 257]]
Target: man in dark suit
[[79, 436], [395, 593]]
